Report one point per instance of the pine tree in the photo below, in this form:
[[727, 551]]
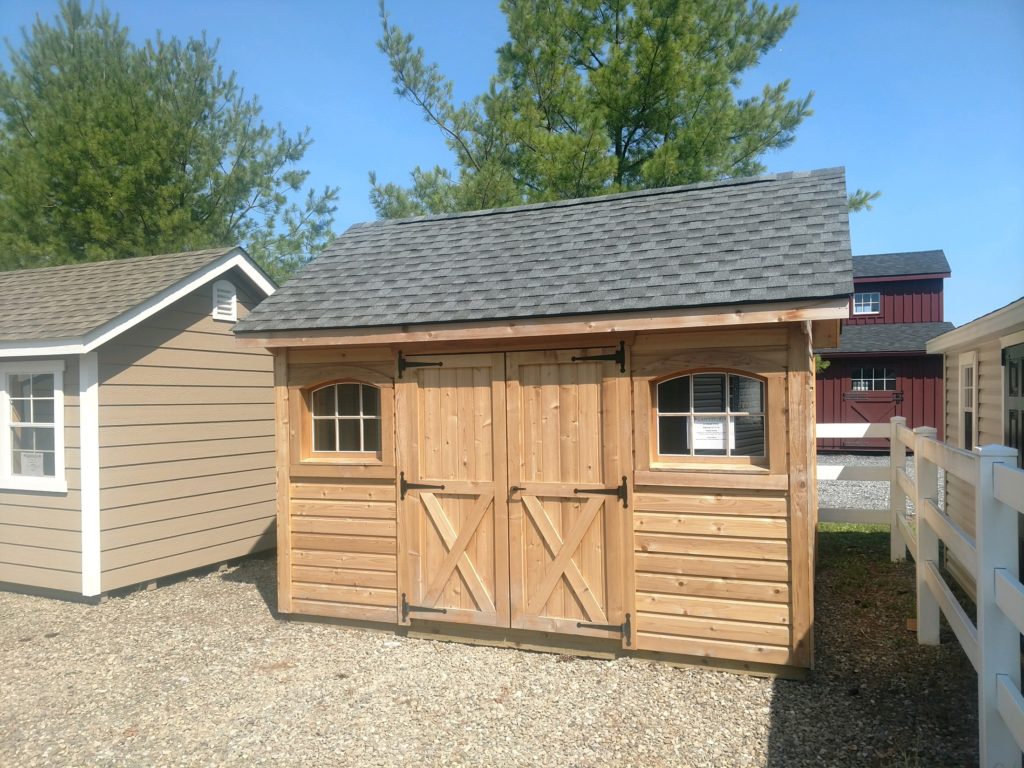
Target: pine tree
[[599, 96], [110, 149]]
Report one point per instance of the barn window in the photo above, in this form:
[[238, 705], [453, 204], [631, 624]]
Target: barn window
[[711, 414], [32, 426], [346, 418], [867, 303], [225, 301], [871, 379]]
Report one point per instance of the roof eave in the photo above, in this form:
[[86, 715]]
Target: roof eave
[[891, 278], [829, 308], [236, 257], [1003, 321]]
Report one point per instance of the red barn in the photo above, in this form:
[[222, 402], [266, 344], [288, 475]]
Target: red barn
[[880, 368]]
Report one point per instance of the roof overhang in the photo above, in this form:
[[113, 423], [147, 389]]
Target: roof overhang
[[1002, 322], [812, 310], [900, 278], [235, 258]]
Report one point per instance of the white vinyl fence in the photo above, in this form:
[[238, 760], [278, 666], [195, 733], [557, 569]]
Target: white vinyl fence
[[991, 558]]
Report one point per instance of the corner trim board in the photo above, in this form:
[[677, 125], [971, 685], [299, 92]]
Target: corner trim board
[[89, 436]]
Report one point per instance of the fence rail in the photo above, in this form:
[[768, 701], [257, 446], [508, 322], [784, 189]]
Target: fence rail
[[990, 557]]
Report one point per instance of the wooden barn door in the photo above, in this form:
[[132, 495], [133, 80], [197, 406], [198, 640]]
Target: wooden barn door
[[568, 516], [453, 511]]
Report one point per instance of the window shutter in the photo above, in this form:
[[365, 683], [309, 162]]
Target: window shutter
[[225, 301]]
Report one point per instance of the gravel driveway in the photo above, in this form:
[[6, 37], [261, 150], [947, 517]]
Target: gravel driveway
[[200, 672]]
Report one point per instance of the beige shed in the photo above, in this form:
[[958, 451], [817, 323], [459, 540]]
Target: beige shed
[[136, 439]]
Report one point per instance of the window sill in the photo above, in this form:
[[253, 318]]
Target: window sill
[[342, 468], [730, 477], [35, 484], [710, 466]]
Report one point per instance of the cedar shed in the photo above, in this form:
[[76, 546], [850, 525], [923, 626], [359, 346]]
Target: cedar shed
[[136, 439], [584, 425]]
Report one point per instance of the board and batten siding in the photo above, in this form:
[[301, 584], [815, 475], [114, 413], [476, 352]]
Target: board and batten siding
[[41, 533], [186, 444]]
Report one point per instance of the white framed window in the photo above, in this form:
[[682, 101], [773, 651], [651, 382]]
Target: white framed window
[[346, 418], [867, 303], [871, 379], [967, 413], [225, 301], [710, 414], [32, 426]]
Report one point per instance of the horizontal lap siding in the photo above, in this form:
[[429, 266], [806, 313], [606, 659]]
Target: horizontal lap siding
[[186, 445], [712, 574], [713, 567], [342, 532], [41, 533], [343, 549]]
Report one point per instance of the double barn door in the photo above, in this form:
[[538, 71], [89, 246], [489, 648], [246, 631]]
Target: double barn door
[[513, 495]]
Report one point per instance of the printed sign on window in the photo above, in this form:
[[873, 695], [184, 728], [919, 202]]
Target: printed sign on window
[[709, 433], [32, 463]]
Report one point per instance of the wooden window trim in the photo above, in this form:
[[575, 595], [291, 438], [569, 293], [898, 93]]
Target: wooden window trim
[[655, 469], [307, 463]]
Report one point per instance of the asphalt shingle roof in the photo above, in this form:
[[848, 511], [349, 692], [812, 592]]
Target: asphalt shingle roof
[[770, 238], [892, 264], [887, 337], [67, 302]]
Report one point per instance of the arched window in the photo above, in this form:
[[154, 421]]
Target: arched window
[[346, 418], [710, 414]]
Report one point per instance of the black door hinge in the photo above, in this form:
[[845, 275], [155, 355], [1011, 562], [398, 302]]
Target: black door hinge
[[622, 492], [405, 486], [618, 356], [624, 628], [404, 363], [406, 608]]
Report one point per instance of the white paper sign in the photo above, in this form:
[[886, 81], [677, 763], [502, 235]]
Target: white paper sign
[[32, 463], [708, 433]]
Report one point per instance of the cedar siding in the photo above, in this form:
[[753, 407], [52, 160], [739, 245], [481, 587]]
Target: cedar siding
[[40, 533], [186, 444]]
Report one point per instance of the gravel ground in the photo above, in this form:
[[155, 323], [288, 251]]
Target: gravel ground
[[201, 672]]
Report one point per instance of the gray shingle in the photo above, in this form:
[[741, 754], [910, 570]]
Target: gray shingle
[[887, 337], [893, 264], [67, 302], [772, 238]]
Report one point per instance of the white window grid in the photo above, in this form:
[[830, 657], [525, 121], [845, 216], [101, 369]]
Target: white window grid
[[362, 417], [867, 303], [873, 379], [57, 482], [968, 391], [728, 414]]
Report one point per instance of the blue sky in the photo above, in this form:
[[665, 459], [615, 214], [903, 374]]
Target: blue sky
[[922, 99]]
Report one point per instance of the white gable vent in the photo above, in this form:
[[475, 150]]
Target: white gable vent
[[225, 301]]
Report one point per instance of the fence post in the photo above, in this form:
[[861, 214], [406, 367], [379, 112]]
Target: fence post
[[926, 481], [897, 498], [998, 638]]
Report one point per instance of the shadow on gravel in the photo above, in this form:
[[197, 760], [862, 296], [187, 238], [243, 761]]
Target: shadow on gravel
[[259, 570], [876, 697]]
